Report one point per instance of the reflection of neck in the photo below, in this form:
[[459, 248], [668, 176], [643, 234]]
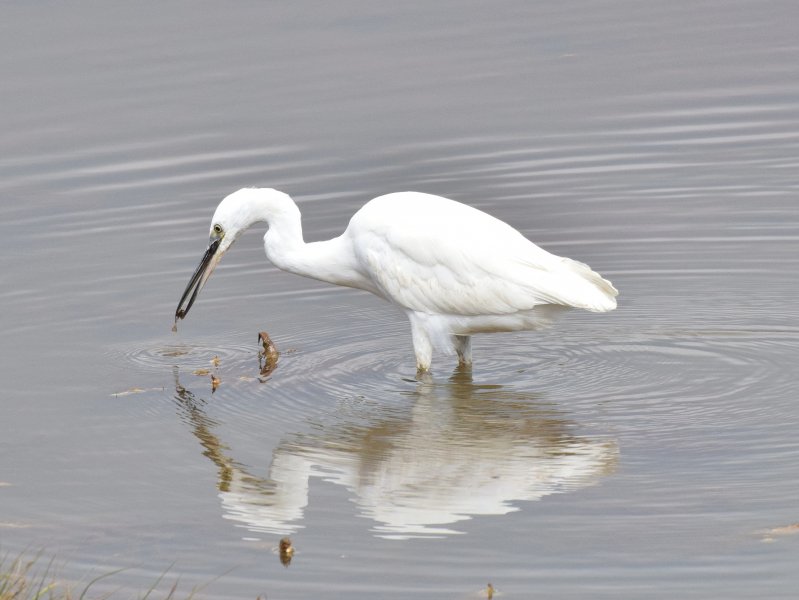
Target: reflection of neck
[[201, 427], [259, 503]]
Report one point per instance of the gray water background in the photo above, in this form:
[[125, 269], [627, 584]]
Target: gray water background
[[650, 452]]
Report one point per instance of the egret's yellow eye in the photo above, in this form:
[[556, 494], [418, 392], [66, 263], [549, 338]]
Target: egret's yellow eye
[[217, 229]]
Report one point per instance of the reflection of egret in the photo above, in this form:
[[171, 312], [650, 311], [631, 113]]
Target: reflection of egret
[[453, 269], [462, 450]]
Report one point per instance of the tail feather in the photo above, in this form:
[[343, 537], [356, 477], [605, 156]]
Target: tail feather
[[603, 294]]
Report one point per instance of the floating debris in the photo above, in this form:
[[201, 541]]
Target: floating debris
[[286, 551], [770, 534], [215, 381], [137, 390], [791, 529], [174, 353], [11, 525], [133, 390], [267, 358]]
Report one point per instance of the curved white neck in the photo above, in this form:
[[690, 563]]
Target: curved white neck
[[332, 260]]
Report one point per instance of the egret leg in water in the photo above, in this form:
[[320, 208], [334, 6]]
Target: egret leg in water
[[453, 269]]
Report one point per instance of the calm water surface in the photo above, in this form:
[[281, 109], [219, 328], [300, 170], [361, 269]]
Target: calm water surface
[[650, 452]]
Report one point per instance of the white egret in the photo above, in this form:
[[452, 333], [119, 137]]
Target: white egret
[[453, 269]]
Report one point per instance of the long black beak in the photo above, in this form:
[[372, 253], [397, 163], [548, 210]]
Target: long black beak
[[198, 280]]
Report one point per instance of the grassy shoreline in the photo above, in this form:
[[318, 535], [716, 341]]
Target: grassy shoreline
[[26, 577]]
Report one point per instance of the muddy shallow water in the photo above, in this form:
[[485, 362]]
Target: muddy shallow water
[[651, 451]]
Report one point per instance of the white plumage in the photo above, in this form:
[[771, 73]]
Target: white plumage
[[453, 269]]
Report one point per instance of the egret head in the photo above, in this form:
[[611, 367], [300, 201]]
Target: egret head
[[233, 216]]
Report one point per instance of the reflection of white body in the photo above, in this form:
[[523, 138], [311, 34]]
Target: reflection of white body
[[414, 476]]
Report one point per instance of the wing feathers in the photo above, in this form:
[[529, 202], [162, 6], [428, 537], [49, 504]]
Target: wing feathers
[[437, 256]]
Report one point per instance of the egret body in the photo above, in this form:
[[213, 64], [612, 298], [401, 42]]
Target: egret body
[[454, 270]]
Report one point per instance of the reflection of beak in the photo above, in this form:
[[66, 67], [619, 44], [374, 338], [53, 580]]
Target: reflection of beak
[[201, 275]]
